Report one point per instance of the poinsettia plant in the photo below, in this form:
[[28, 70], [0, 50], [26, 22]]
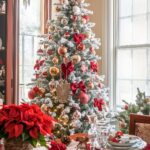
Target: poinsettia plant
[[26, 123]]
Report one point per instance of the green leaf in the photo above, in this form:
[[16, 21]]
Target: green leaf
[[42, 140], [34, 142], [25, 136]]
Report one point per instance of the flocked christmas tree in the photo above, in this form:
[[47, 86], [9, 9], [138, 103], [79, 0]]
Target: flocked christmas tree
[[66, 84]]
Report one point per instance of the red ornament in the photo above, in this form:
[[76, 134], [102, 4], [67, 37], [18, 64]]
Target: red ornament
[[74, 18], [93, 66], [31, 94], [40, 52], [119, 134], [83, 97], [81, 47], [62, 50], [85, 18], [49, 52], [126, 107], [44, 74]]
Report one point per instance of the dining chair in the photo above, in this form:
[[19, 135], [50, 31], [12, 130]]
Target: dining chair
[[140, 126]]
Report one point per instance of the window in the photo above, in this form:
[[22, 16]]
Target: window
[[132, 45], [30, 28]]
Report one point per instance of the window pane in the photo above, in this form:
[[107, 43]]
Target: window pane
[[124, 91], [125, 8], [125, 32], [149, 28], [140, 29], [148, 5], [149, 63], [139, 7], [124, 64], [139, 64]]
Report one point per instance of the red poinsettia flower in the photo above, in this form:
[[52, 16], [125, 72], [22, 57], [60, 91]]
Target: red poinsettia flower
[[78, 38], [17, 120], [93, 66]]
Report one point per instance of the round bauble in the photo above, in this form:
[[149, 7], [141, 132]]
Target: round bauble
[[52, 85], [92, 50], [64, 21], [55, 60], [31, 94], [83, 97], [54, 71], [49, 52], [40, 51], [81, 47], [74, 18], [62, 50], [76, 59], [44, 74], [52, 28]]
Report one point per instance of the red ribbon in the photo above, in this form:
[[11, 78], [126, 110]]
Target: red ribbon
[[80, 85], [38, 64], [67, 69], [98, 103]]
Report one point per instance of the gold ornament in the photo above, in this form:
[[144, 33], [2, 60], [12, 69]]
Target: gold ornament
[[52, 28], [62, 50], [76, 59], [55, 60], [42, 92], [63, 90], [54, 71]]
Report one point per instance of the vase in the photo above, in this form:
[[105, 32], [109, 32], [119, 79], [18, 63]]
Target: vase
[[15, 144]]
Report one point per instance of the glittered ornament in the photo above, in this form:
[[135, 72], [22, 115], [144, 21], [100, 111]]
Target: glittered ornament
[[74, 18], [40, 51], [44, 74], [52, 28], [63, 90], [85, 19], [54, 71], [83, 97], [64, 21], [76, 59], [41, 92], [55, 60], [81, 47], [62, 50]]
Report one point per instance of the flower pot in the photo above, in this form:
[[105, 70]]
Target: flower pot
[[14, 144]]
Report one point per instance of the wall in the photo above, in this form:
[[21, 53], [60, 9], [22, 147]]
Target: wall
[[99, 12]]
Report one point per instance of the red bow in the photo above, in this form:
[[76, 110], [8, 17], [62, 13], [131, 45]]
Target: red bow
[[75, 86], [67, 69], [98, 103], [38, 64], [78, 38]]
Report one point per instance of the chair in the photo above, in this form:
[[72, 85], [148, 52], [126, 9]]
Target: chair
[[140, 126]]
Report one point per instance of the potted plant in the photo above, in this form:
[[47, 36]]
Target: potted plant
[[23, 126]]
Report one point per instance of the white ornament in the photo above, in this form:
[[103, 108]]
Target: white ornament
[[76, 10]]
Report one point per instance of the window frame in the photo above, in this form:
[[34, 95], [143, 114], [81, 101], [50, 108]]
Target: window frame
[[113, 47]]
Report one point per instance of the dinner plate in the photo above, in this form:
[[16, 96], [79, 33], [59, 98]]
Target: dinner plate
[[127, 141]]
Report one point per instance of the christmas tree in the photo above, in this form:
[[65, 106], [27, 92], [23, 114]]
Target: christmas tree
[[141, 106], [66, 84]]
